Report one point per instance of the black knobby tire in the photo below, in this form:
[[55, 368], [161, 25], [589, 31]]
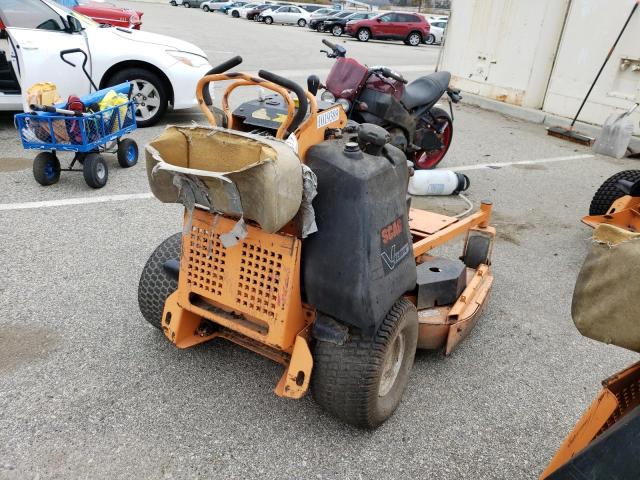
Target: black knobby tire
[[127, 152], [609, 191], [477, 251], [347, 378], [46, 168], [129, 74], [156, 284], [95, 170]]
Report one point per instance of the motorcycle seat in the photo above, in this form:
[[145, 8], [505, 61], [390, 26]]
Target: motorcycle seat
[[425, 90]]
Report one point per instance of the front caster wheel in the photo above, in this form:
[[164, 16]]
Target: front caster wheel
[[362, 381], [95, 170], [127, 152]]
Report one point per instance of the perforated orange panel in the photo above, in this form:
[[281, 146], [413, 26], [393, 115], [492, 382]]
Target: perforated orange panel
[[252, 287]]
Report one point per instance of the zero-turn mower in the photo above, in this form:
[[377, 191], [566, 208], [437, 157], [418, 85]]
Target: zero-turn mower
[[604, 442], [342, 309]]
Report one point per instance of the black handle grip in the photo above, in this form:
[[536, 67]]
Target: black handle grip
[[223, 67], [303, 103], [388, 73], [332, 46], [42, 108], [63, 53]]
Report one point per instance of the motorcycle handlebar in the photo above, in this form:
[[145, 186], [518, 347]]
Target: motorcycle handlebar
[[223, 67], [332, 46], [388, 73], [303, 103]]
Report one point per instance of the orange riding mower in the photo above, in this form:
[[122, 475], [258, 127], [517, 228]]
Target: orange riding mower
[[299, 244], [604, 442]]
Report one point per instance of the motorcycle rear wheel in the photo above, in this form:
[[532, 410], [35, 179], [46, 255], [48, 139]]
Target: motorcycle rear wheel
[[427, 159]]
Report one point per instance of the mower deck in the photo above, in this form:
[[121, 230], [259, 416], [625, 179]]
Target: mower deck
[[624, 213]]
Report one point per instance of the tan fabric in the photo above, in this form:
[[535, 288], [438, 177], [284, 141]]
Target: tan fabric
[[605, 300], [265, 172]]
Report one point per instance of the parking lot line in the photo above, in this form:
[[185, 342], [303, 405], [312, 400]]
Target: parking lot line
[[478, 166], [64, 202]]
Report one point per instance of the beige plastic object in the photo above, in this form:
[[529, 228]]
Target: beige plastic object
[[242, 174], [606, 295]]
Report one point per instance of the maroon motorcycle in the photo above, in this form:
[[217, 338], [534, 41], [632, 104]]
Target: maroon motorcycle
[[383, 97]]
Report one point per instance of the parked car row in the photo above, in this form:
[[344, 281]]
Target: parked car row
[[411, 28]]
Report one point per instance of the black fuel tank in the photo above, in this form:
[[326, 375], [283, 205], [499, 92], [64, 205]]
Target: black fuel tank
[[361, 259]]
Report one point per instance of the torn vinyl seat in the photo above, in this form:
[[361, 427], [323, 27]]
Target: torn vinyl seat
[[425, 90], [230, 172]]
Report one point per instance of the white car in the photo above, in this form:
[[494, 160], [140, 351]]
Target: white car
[[241, 12], [213, 6], [436, 32], [163, 70], [287, 14]]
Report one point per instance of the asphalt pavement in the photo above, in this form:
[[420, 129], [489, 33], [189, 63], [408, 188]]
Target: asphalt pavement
[[89, 390]]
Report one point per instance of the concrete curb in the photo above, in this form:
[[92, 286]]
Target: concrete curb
[[536, 116]]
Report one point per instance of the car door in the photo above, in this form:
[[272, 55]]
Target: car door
[[37, 35], [286, 15], [383, 26], [295, 14], [403, 24]]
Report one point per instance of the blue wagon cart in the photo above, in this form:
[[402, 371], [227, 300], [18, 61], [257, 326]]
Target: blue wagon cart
[[87, 134]]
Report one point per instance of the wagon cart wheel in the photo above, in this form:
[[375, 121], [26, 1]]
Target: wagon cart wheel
[[95, 170], [362, 381], [156, 283], [127, 152], [609, 191], [46, 168]]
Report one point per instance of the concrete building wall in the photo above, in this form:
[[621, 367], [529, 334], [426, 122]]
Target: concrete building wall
[[592, 27], [543, 54]]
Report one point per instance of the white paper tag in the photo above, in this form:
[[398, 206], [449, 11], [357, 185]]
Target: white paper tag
[[330, 116], [292, 141]]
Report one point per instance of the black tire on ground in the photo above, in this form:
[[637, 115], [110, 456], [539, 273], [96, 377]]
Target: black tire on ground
[[156, 284], [173, 3], [235, 14], [609, 191], [206, 8], [302, 22], [362, 381], [414, 39], [319, 28], [95, 170], [127, 152], [336, 31], [187, 5], [268, 20], [141, 74], [430, 40], [477, 251], [363, 35], [46, 168]]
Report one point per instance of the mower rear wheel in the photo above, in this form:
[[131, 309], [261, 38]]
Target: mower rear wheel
[[156, 284], [609, 191], [362, 381]]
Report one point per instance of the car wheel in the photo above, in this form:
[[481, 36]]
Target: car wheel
[[206, 8], [173, 3], [319, 28], [46, 168], [302, 22], [364, 35], [235, 14], [336, 31], [148, 93], [187, 5], [414, 39], [431, 39], [268, 20], [95, 170]]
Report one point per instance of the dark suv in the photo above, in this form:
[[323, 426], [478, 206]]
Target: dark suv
[[337, 25], [408, 27]]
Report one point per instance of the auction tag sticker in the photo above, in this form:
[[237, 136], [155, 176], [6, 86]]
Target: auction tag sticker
[[330, 116]]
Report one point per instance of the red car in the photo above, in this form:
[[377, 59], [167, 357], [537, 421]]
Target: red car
[[108, 13], [408, 27]]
